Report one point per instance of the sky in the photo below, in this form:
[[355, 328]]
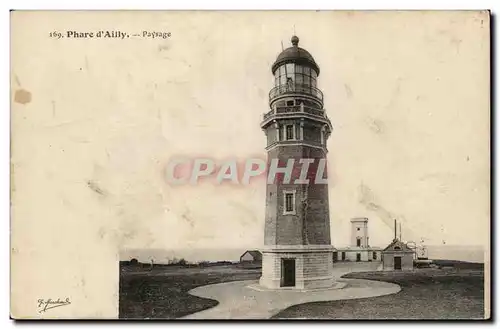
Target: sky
[[409, 105], [407, 94]]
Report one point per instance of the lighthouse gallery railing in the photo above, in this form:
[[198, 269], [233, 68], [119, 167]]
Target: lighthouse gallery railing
[[295, 109], [293, 88]]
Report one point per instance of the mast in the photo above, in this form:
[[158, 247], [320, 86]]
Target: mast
[[395, 230]]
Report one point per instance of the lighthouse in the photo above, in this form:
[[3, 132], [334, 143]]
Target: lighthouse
[[297, 252]]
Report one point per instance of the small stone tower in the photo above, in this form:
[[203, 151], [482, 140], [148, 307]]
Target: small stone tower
[[297, 249], [359, 232]]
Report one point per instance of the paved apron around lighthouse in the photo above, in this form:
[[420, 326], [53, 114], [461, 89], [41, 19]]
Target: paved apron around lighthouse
[[238, 300]]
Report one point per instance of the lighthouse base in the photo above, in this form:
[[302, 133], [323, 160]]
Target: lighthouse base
[[302, 267]]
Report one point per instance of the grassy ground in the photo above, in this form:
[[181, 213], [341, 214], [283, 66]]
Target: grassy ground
[[425, 294], [159, 294], [453, 293]]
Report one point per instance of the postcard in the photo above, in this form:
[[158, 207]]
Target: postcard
[[250, 165]]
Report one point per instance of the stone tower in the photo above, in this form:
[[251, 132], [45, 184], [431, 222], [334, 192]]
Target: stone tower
[[359, 232], [297, 249]]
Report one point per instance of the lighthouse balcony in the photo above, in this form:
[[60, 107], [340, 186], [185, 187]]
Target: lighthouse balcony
[[297, 111], [295, 89], [297, 108]]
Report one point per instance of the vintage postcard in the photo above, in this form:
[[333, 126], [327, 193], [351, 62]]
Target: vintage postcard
[[250, 165]]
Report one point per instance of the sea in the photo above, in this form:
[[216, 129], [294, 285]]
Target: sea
[[475, 254]]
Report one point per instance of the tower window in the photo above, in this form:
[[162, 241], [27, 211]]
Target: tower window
[[289, 200], [289, 133], [290, 103], [357, 229], [358, 242]]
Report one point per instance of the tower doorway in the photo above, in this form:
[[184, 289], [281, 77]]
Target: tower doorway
[[397, 263], [358, 257], [288, 272]]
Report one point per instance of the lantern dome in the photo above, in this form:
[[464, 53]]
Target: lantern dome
[[295, 54]]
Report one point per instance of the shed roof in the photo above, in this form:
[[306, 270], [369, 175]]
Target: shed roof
[[397, 245], [257, 255]]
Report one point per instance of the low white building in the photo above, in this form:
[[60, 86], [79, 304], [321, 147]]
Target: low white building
[[359, 249]]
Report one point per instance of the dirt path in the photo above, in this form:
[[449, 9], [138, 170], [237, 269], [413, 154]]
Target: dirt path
[[240, 299]]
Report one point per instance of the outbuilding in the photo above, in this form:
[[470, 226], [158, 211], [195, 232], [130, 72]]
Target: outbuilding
[[359, 250], [251, 256], [397, 256]]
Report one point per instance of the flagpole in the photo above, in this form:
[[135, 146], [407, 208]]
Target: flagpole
[[286, 73]]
